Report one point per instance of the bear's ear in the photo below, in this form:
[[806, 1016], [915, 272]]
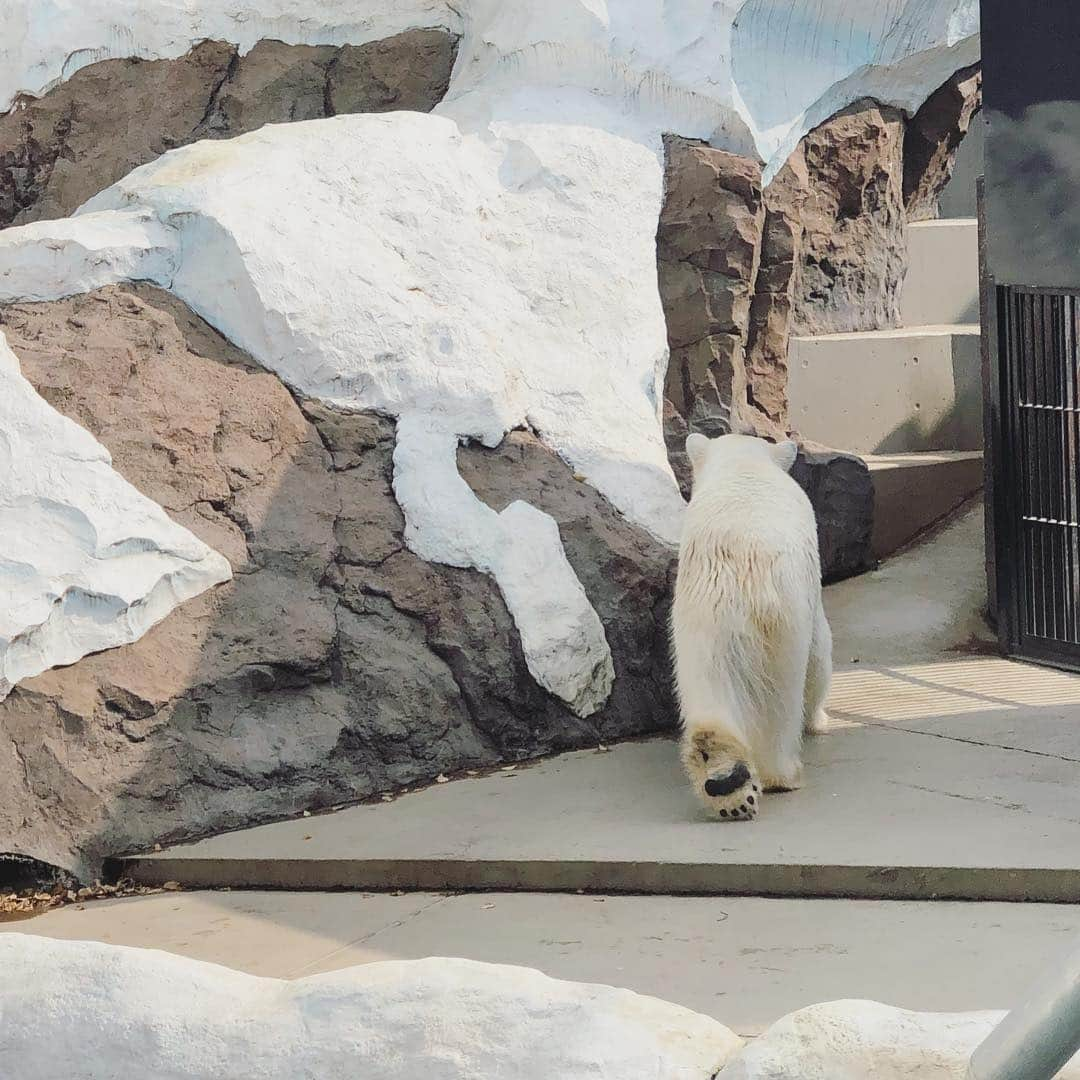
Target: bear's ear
[[697, 446], [784, 454]]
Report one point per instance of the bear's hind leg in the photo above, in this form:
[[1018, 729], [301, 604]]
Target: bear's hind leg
[[818, 676], [721, 771], [781, 735]]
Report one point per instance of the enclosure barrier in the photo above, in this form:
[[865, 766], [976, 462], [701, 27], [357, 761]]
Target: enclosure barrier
[[1036, 1040]]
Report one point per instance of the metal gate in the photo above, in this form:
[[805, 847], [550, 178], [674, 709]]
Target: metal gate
[[1037, 491]]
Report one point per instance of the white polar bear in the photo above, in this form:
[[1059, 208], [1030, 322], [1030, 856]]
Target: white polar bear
[[753, 649]]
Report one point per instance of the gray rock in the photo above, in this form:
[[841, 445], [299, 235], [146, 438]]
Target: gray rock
[[273, 84], [840, 488]]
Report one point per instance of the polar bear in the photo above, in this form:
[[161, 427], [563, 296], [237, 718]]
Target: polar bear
[[753, 649]]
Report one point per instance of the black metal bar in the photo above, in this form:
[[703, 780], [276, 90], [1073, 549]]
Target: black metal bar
[[1060, 421], [1017, 454], [1053, 354], [1072, 460], [1033, 356]]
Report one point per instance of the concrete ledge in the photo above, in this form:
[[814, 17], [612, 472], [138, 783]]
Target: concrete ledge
[[914, 491], [942, 283], [780, 880], [889, 391]]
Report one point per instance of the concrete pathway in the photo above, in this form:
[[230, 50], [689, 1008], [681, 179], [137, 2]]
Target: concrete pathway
[[928, 603], [946, 775], [941, 781], [744, 961]]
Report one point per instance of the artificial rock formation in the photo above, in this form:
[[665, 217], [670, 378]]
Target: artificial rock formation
[[58, 150], [89, 1012], [727, 260], [853, 1040], [465, 496], [853, 251], [707, 245], [820, 249], [336, 663], [933, 137]]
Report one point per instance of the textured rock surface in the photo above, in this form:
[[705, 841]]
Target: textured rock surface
[[853, 249], [88, 562], [112, 116], [336, 663], [728, 260], [91, 1012], [708, 243], [769, 328], [833, 251], [853, 1040], [933, 137], [842, 494]]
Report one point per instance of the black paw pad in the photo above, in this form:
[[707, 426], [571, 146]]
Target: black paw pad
[[718, 786]]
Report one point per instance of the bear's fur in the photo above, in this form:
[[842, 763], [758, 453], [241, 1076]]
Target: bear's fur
[[753, 649]]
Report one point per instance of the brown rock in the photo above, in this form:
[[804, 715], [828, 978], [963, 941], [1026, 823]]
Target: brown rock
[[107, 119], [110, 117], [933, 137], [833, 252], [774, 292], [854, 253], [273, 84], [708, 241], [408, 71], [336, 664]]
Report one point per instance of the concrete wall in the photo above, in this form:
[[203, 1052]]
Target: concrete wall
[[958, 199]]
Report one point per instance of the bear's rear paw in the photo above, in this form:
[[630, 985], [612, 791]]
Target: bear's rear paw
[[735, 797], [722, 776], [819, 723], [786, 778]]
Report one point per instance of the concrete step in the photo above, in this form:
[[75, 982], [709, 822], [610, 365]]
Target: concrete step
[[945, 780], [912, 492], [942, 283], [898, 391]]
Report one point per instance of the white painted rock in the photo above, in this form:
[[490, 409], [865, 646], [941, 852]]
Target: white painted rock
[[750, 74], [87, 562], [86, 1011], [858, 1040]]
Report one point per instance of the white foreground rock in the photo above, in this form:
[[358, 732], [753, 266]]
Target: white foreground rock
[[86, 1011], [87, 562], [489, 267], [859, 1040]]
